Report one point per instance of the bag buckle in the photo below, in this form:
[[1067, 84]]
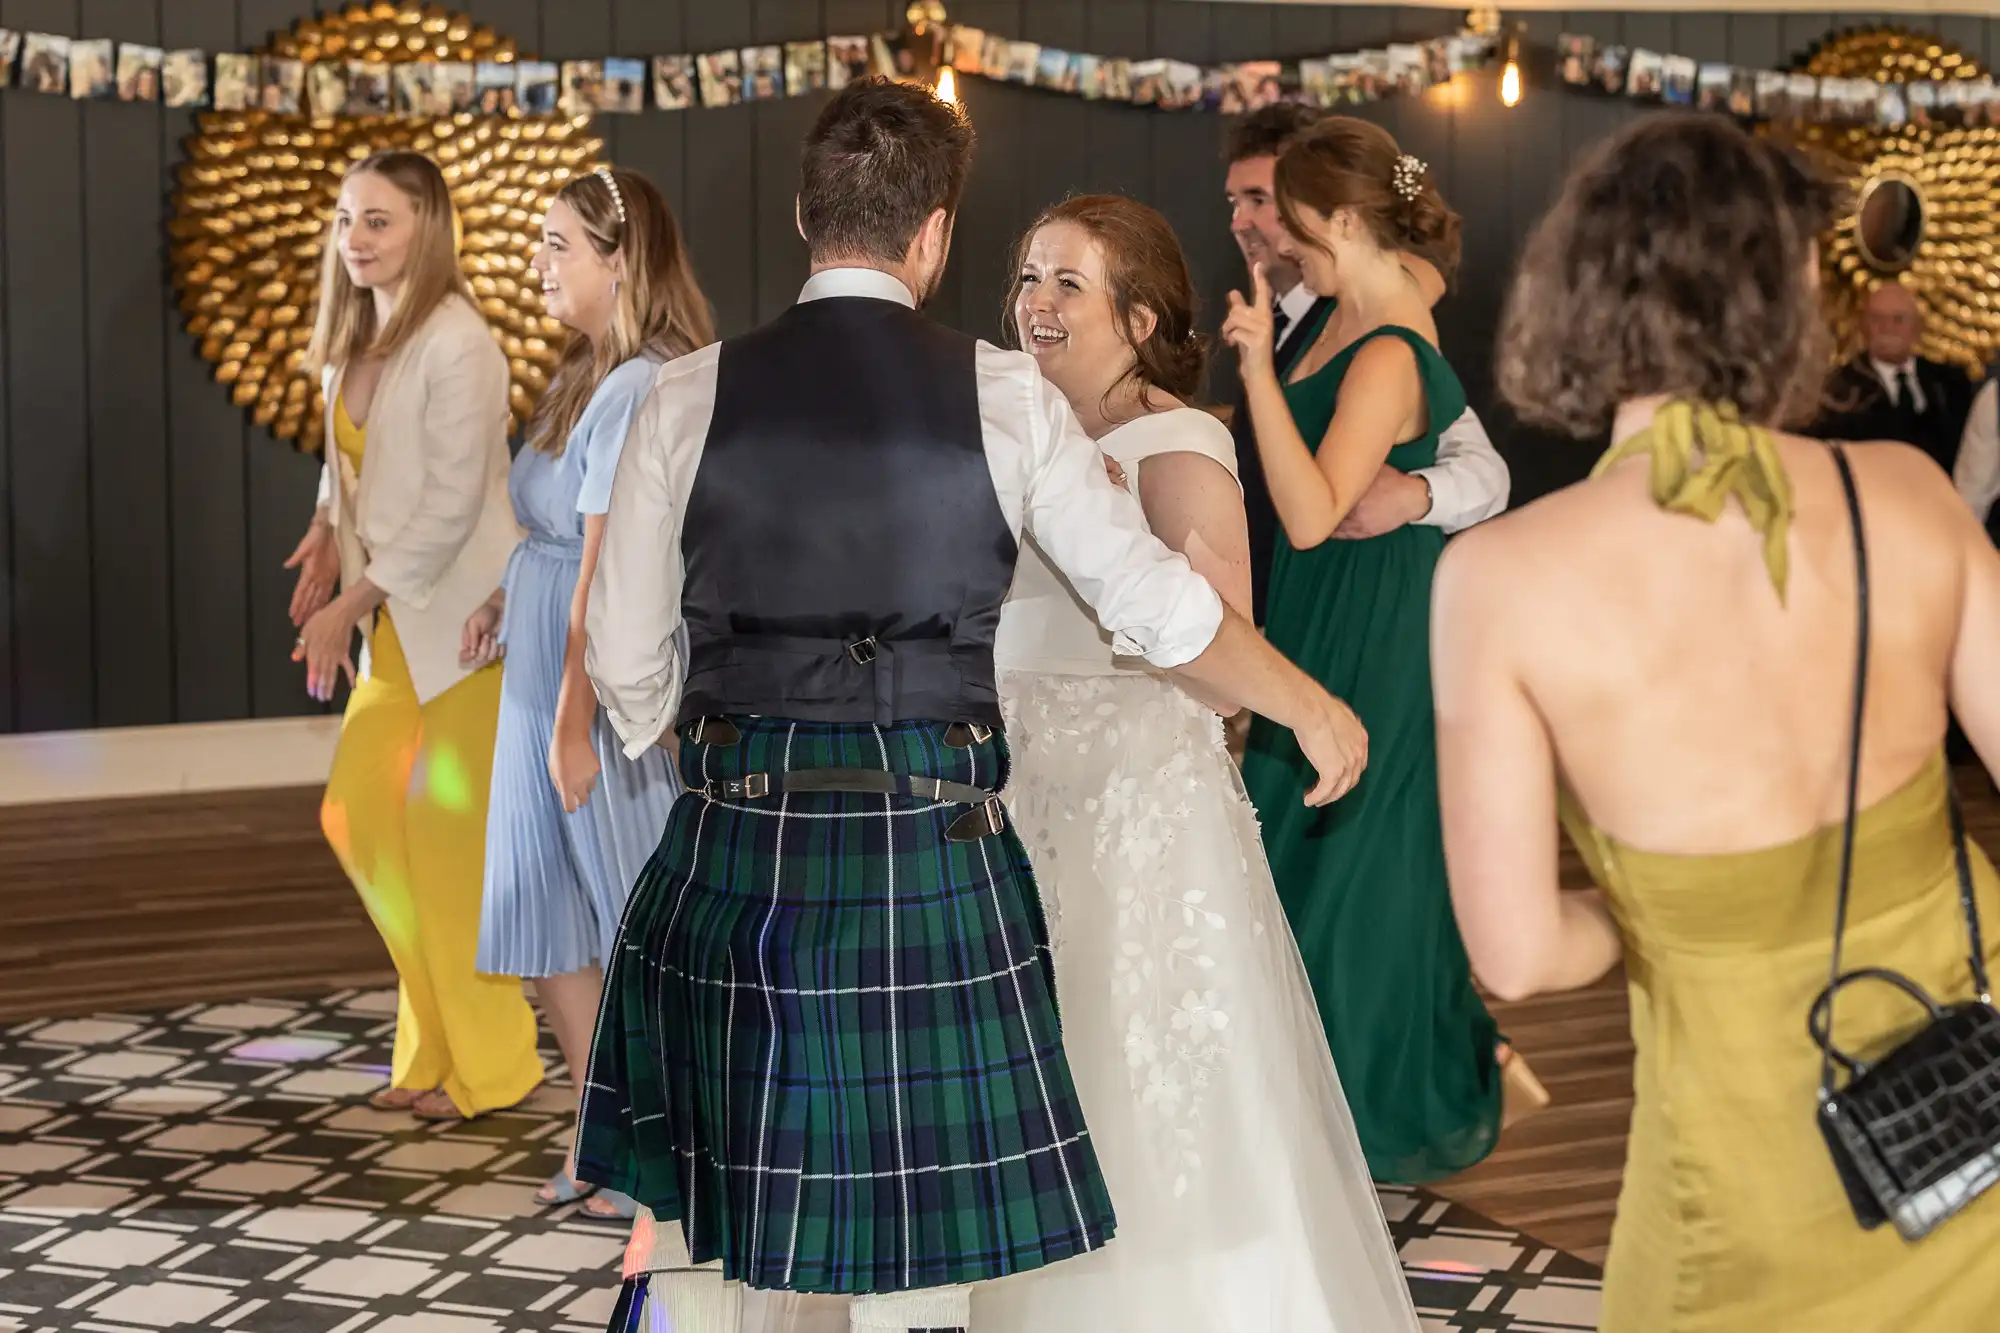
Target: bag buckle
[[749, 787], [862, 651], [981, 821], [965, 735]]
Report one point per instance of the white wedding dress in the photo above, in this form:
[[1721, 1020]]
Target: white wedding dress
[[1243, 1201]]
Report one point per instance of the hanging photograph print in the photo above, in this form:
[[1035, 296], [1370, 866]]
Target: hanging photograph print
[[623, 91], [721, 78], [283, 86], [10, 55], [805, 67], [367, 88], [763, 73], [90, 70], [452, 87], [846, 60], [493, 88], [673, 82], [326, 88], [139, 73], [580, 81], [538, 87]]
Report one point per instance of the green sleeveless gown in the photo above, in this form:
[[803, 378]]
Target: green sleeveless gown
[[1363, 880]]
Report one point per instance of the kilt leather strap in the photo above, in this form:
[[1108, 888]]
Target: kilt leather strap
[[983, 820], [721, 731]]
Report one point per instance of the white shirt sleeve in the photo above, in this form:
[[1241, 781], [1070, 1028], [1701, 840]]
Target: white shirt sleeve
[[1051, 481], [1977, 472], [1469, 482], [630, 652]]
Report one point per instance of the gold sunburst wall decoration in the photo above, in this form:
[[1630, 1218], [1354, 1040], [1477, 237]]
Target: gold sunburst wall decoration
[[256, 197], [1925, 200]]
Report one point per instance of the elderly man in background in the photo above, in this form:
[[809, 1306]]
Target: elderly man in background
[[1891, 393]]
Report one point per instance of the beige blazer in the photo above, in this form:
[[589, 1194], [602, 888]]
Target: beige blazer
[[428, 520]]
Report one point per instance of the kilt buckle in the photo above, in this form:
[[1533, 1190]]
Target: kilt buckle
[[749, 787], [862, 651], [965, 735], [981, 821]]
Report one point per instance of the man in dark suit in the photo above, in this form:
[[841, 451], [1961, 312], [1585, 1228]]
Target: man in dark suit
[[1468, 483], [1891, 393]]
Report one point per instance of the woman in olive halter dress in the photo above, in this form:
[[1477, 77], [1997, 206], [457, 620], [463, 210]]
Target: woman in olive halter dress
[[1363, 882], [1664, 654]]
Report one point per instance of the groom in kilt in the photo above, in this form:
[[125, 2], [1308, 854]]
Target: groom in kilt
[[829, 1047]]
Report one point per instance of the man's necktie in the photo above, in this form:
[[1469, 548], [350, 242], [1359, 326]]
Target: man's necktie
[[1280, 321], [1906, 391]]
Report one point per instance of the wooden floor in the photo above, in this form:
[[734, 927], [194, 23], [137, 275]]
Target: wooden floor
[[146, 904]]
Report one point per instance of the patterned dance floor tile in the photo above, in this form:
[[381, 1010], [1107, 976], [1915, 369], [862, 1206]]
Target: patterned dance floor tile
[[215, 1168]]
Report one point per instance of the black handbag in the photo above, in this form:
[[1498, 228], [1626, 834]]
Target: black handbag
[[1914, 1135]]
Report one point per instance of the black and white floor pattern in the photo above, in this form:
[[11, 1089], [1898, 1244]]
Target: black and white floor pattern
[[215, 1168]]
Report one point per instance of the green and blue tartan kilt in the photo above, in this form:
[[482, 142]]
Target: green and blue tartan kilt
[[829, 1041]]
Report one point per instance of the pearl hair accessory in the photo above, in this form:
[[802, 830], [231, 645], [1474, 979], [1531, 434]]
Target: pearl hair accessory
[[603, 173], [1408, 178]]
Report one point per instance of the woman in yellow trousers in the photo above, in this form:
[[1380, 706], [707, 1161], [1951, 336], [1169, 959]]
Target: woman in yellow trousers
[[415, 524]]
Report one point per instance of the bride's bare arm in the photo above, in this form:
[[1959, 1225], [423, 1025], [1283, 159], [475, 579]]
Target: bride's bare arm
[[1497, 786], [1194, 505]]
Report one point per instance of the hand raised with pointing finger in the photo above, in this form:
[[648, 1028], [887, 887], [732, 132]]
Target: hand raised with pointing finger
[[1248, 327]]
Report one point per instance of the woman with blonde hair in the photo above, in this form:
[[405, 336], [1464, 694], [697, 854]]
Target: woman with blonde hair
[[413, 524], [558, 869]]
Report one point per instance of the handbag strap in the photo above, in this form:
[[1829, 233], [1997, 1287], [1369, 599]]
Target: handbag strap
[[1853, 750], [1982, 986], [1967, 900]]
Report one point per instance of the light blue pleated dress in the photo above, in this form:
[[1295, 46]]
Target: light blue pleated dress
[[556, 883]]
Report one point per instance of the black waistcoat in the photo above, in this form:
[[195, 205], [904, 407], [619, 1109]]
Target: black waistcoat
[[846, 555]]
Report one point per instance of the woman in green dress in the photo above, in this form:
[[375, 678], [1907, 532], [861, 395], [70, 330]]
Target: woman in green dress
[[1363, 882]]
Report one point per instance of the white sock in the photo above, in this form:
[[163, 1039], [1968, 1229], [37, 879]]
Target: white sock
[[694, 1300], [900, 1311]]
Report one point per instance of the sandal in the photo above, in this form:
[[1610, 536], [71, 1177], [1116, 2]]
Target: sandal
[[395, 1099], [437, 1105], [560, 1189], [624, 1208]]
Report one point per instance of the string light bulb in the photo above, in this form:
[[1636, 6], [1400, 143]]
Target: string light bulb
[[947, 86], [1510, 76]]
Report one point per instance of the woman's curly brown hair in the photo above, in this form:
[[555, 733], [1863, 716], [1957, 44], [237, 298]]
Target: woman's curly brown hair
[[1677, 260]]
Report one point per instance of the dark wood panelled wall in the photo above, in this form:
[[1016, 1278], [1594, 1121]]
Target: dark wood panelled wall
[[144, 520]]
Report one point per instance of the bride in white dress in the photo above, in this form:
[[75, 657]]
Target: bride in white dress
[[1244, 1204]]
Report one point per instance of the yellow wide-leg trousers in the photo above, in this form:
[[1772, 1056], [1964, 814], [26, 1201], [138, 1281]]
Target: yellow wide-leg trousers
[[405, 811]]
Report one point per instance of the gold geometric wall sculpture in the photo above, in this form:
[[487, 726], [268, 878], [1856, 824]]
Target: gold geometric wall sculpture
[[256, 197], [1945, 178]]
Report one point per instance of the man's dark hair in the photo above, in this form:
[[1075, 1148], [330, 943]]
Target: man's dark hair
[[1263, 132], [882, 157]]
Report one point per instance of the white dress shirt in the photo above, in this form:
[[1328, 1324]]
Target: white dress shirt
[[1892, 380], [1469, 482], [1047, 474], [1977, 472]]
